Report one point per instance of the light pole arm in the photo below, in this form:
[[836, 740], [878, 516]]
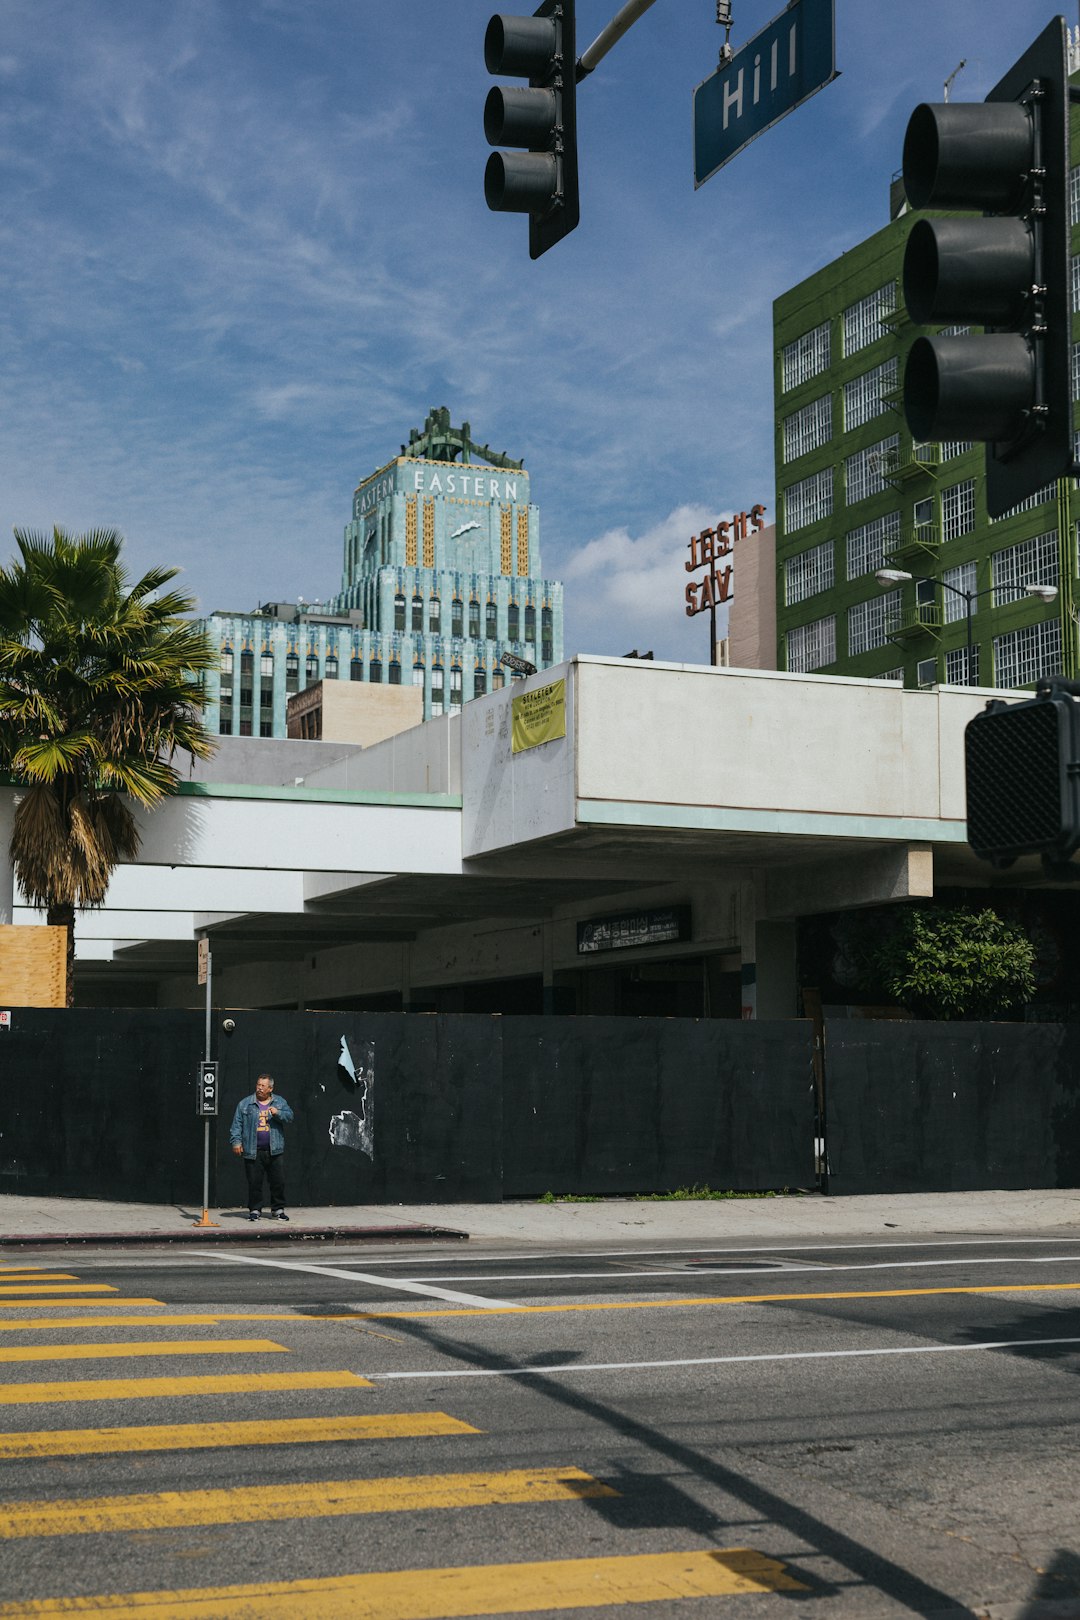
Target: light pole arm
[[611, 35]]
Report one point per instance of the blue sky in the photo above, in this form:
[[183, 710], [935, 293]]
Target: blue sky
[[245, 248]]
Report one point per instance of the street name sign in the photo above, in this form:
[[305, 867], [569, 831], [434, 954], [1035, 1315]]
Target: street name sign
[[790, 60]]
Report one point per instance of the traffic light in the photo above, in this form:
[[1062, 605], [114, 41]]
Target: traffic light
[[1007, 272], [541, 181], [1022, 763]]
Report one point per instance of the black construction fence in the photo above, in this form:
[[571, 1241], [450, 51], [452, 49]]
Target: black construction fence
[[418, 1108]]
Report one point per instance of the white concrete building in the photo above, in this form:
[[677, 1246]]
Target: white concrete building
[[655, 858]]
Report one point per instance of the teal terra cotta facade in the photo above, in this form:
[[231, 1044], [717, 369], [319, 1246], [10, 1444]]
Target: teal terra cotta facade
[[856, 494], [442, 575]]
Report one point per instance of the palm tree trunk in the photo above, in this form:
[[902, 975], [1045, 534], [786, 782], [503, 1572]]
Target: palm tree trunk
[[63, 916]]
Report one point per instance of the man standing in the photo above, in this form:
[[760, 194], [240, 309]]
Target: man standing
[[257, 1134]]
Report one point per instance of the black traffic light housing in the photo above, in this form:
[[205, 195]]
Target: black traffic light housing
[[1022, 766], [1007, 272], [542, 180]]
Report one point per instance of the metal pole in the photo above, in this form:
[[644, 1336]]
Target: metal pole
[[611, 35], [712, 644], [969, 597], [206, 1221]]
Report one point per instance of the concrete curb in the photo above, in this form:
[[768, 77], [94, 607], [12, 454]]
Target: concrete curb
[[248, 1233]]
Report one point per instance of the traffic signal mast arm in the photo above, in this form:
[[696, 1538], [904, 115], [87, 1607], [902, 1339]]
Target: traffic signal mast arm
[[611, 35]]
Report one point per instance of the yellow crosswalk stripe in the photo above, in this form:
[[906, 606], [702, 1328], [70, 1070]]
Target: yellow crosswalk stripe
[[449, 1594], [138, 1347], [37, 1324], [310, 1499], [249, 1432], [62, 1285], [29, 1273], [75, 1304], [138, 1389]]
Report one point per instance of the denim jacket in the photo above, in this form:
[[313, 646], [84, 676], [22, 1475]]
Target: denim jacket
[[245, 1124]]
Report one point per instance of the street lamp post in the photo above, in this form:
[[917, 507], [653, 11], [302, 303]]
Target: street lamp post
[[900, 576]]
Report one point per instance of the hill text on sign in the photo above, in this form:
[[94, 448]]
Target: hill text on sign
[[791, 59]]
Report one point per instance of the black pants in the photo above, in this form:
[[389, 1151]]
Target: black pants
[[273, 1166]]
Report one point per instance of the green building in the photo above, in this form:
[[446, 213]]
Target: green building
[[856, 494]]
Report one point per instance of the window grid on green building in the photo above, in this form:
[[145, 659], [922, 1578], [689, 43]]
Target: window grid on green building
[[868, 621], [958, 509], [863, 322], [808, 573], [957, 671], [808, 429], [1025, 655], [1030, 562], [962, 578], [808, 501], [807, 356], [864, 396], [865, 470], [811, 646], [869, 545]]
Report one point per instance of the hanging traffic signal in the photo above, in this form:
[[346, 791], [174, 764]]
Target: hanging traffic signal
[[1007, 272], [1022, 763], [541, 181]]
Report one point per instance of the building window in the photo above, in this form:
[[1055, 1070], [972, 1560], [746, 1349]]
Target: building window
[[292, 672], [958, 509], [808, 501], [926, 672], [1040, 498], [330, 668], [226, 661], [434, 615], [457, 617], [530, 622], [479, 681], [866, 622], [247, 664], [513, 624], [395, 672], [957, 672], [864, 397], [245, 728], [455, 688], [498, 679], [951, 448], [491, 621], [266, 728], [1074, 271], [1032, 562], [808, 429], [1074, 196], [225, 720], [266, 665], [1024, 655], [311, 667], [812, 646], [864, 472], [963, 578], [375, 671], [418, 673], [474, 620], [418, 613], [809, 572], [399, 611], [808, 356], [436, 689], [869, 545], [356, 669], [896, 676], [863, 323]]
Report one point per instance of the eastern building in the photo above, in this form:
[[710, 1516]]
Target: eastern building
[[857, 494], [442, 575]]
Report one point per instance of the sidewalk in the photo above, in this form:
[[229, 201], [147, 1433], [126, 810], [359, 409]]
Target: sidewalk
[[29, 1221]]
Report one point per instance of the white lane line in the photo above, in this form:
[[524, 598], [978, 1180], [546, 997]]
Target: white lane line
[[712, 1361], [391, 1284], [765, 1271], [615, 1252]]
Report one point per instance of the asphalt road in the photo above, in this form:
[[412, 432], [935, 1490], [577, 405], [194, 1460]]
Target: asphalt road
[[866, 1429]]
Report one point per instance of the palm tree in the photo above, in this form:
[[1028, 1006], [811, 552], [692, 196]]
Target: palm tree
[[97, 695]]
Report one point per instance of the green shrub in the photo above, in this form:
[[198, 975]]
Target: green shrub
[[957, 963]]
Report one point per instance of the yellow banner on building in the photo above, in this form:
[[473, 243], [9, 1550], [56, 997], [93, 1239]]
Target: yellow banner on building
[[538, 717]]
